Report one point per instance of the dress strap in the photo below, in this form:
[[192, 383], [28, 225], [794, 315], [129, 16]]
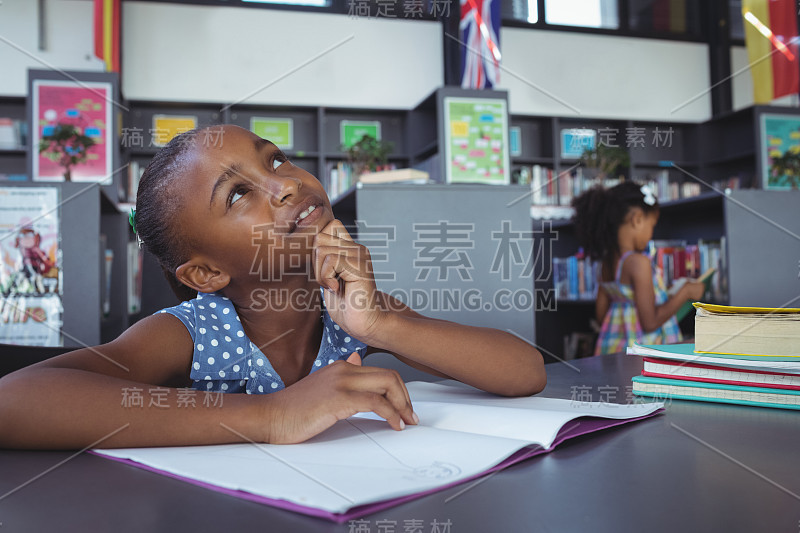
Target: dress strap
[[619, 265]]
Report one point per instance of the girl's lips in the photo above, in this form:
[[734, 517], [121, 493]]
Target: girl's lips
[[310, 220], [312, 217]]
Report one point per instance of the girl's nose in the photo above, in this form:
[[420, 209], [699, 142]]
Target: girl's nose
[[287, 188]]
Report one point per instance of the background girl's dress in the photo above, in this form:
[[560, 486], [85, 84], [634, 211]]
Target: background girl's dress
[[621, 327]]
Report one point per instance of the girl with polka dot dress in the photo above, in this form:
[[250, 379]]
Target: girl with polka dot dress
[[279, 305]]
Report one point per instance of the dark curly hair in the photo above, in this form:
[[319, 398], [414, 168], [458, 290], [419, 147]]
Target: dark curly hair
[[599, 213], [156, 210]]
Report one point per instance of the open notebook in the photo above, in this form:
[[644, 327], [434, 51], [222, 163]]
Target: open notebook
[[360, 465]]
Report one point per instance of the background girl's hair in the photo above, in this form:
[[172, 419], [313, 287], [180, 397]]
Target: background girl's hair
[[599, 213], [156, 210]]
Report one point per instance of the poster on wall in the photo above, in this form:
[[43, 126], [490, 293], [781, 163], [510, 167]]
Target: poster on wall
[[165, 127], [476, 140], [351, 131], [279, 131], [575, 141], [780, 152], [30, 267], [66, 114]]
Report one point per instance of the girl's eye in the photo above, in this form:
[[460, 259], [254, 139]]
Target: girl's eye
[[278, 160], [236, 194]]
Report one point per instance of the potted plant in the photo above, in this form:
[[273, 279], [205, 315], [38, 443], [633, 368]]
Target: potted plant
[[66, 145], [368, 154], [610, 161]]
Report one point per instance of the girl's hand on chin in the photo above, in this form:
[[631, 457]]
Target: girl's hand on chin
[[344, 269], [334, 393]]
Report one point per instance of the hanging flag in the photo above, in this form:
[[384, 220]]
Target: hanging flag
[[480, 48], [669, 15], [771, 38], [106, 32]]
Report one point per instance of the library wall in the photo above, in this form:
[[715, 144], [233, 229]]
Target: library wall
[[604, 76], [223, 54], [742, 83], [68, 40]]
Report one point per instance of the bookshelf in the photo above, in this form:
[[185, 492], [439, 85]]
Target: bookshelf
[[13, 154], [714, 151]]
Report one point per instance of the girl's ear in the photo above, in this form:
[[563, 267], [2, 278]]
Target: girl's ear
[[201, 277], [637, 217]]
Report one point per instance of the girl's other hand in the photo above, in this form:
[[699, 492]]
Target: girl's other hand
[[344, 269], [695, 289], [334, 393]]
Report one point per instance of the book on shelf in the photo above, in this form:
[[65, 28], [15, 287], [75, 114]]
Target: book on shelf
[[135, 171], [677, 260], [551, 188], [667, 190], [340, 178], [757, 331], [134, 282], [342, 175], [463, 434], [575, 277], [731, 183], [401, 175], [13, 134], [678, 371]]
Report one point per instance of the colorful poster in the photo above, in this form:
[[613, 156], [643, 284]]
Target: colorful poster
[[165, 127], [30, 266], [31, 320], [780, 152], [575, 141], [279, 131], [476, 140], [351, 131], [83, 107]]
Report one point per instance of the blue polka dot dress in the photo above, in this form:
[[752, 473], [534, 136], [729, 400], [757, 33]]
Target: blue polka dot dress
[[226, 360]]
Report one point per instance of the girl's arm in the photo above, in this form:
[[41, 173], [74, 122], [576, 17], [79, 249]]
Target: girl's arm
[[85, 398], [601, 305], [486, 358], [652, 316], [489, 359]]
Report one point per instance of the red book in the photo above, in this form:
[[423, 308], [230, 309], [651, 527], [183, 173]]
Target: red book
[[669, 369]]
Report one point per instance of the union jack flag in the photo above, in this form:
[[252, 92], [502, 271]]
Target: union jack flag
[[480, 51]]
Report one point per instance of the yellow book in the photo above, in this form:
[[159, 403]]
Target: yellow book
[[730, 309], [750, 331]]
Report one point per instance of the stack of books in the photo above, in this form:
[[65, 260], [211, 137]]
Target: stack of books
[[741, 355]]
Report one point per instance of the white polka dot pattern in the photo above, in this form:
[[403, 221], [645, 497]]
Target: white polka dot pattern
[[222, 347]]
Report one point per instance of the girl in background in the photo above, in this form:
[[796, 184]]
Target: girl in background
[[614, 226]]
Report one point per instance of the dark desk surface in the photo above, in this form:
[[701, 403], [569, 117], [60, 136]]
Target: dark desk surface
[[699, 467]]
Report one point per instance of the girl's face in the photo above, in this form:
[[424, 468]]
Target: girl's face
[[248, 211]]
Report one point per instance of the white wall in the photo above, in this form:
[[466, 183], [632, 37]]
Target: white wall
[[195, 53], [69, 40], [604, 76], [223, 54]]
